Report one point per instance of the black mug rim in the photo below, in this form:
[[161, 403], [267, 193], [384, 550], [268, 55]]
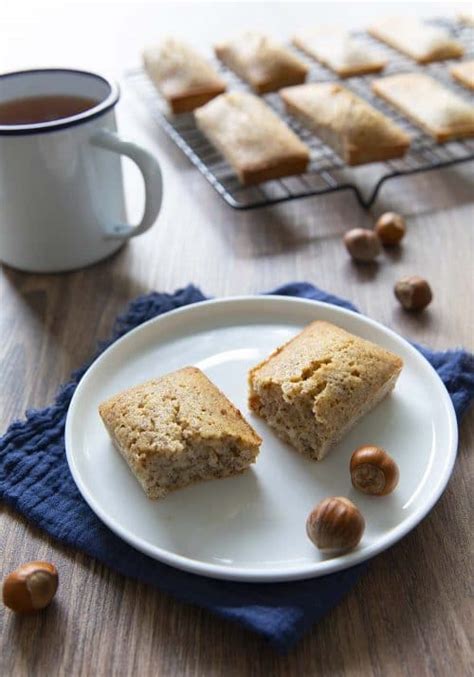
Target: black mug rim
[[62, 123]]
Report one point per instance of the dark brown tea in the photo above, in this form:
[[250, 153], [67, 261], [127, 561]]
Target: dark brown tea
[[34, 109]]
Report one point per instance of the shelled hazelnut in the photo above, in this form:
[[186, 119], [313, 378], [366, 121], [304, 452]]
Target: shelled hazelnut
[[31, 587], [373, 471], [414, 293], [335, 525], [362, 244], [390, 228]]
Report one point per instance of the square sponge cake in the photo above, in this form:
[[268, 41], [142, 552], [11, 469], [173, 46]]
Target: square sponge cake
[[314, 388], [179, 429]]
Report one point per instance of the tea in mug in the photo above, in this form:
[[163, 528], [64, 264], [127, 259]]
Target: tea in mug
[[36, 109]]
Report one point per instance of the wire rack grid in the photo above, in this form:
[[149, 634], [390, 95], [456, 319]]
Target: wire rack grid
[[326, 172]]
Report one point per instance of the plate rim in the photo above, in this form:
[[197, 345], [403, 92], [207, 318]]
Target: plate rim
[[299, 572]]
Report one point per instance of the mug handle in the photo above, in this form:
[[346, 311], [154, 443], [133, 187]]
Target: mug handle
[[151, 172]]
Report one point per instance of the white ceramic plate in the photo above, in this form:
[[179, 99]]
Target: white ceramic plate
[[252, 527]]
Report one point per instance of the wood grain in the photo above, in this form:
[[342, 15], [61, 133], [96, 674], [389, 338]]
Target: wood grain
[[411, 613]]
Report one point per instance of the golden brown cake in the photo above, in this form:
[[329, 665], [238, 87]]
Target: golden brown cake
[[184, 78], [339, 51], [261, 62], [356, 130], [177, 430], [255, 142], [314, 388], [464, 73], [418, 40], [427, 102]]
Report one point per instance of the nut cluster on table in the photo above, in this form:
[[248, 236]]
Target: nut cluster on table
[[364, 245]]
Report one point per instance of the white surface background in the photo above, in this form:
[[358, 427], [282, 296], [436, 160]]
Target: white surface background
[[110, 35]]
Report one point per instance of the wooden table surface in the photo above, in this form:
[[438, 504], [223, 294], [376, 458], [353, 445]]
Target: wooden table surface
[[411, 613]]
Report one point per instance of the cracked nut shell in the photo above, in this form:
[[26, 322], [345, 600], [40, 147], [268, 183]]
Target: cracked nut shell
[[373, 471], [335, 525], [414, 293], [31, 587]]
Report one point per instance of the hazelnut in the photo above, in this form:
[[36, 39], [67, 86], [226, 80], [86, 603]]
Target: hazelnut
[[414, 293], [373, 471], [390, 228], [335, 524], [31, 587], [362, 244]]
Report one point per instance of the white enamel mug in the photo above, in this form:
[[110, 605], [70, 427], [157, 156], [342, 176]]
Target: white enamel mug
[[61, 189]]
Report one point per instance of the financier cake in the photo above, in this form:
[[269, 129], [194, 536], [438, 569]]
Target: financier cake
[[179, 429], [314, 388]]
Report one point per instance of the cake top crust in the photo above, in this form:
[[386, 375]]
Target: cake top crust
[[163, 413], [322, 352]]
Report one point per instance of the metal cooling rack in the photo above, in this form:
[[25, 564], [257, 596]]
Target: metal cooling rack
[[327, 172]]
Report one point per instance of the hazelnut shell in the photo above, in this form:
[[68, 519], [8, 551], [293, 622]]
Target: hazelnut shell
[[31, 587], [335, 525], [373, 471], [362, 244], [414, 292], [390, 228]]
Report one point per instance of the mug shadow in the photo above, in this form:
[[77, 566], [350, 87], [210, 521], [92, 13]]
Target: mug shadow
[[50, 304]]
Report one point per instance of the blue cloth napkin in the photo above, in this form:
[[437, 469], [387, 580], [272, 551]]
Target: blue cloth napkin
[[35, 481]]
